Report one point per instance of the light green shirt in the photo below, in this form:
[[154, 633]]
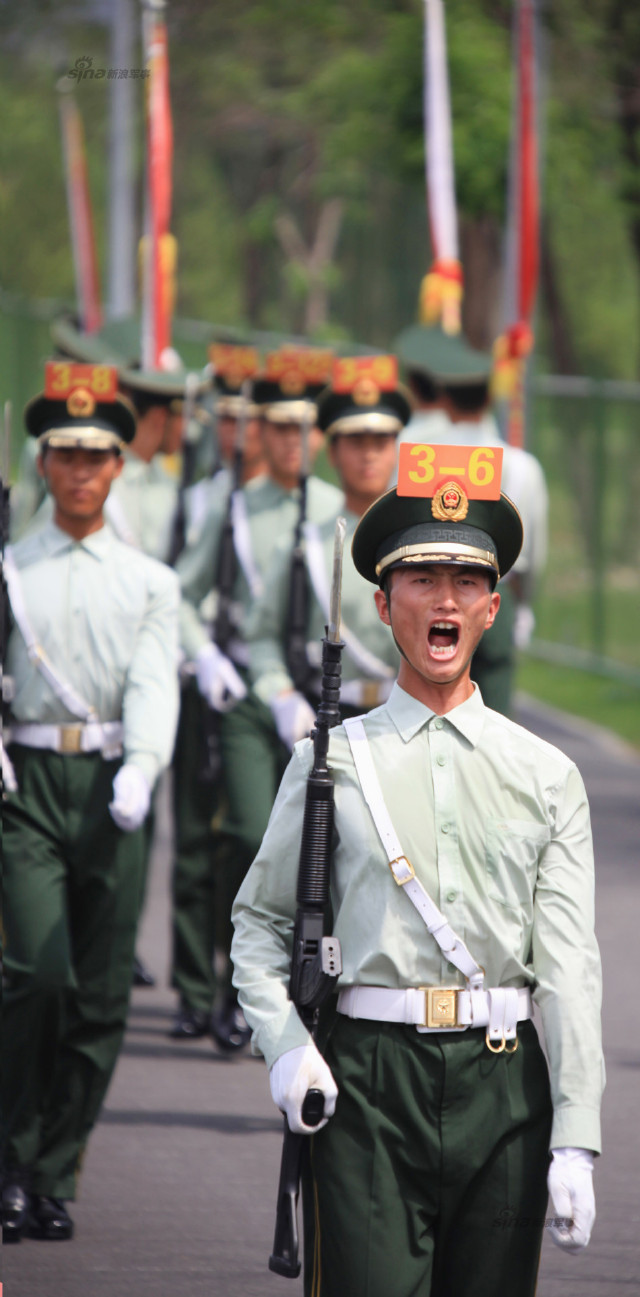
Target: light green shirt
[[106, 616], [142, 504], [496, 824], [140, 507], [271, 512], [266, 628]]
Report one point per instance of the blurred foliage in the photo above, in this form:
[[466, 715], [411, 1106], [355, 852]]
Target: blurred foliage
[[279, 107]]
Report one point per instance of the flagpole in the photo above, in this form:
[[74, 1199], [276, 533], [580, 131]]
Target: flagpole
[[83, 246]]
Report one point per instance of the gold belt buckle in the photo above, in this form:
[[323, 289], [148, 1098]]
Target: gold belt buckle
[[441, 1006], [71, 739]]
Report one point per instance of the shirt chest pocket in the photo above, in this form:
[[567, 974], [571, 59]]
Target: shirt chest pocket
[[512, 852]]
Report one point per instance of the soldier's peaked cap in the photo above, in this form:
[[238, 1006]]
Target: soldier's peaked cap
[[104, 424], [401, 531]]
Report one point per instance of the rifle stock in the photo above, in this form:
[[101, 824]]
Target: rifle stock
[[316, 961]]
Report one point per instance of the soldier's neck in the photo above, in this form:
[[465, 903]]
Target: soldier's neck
[[78, 528]]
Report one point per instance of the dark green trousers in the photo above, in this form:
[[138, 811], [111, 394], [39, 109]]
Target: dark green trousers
[[200, 855], [430, 1179], [493, 662], [71, 897]]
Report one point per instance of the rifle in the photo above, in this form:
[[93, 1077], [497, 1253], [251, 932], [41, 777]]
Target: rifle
[[189, 447], [8, 775], [224, 582], [298, 603], [316, 961]]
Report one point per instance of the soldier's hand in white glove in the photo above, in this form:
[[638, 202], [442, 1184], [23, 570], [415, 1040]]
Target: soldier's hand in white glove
[[570, 1183], [131, 798], [218, 680], [292, 1074], [293, 716]]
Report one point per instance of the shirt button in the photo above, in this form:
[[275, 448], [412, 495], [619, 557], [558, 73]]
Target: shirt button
[[451, 896], [439, 724], [441, 761], [445, 828]]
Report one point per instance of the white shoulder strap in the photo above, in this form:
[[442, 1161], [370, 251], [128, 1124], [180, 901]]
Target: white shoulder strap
[[242, 543], [62, 690], [452, 946], [372, 666]]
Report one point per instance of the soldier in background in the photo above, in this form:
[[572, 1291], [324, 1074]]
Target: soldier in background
[[450, 385], [253, 755], [92, 654], [197, 806], [361, 414]]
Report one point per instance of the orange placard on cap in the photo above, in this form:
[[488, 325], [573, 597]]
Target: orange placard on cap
[[350, 371], [61, 378], [423, 470], [234, 363], [295, 368]]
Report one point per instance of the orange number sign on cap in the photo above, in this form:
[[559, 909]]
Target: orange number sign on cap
[[423, 469], [349, 370], [234, 362], [61, 378]]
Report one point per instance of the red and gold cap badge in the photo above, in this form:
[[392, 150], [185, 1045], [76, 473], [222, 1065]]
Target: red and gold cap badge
[[364, 378], [233, 363], [81, 386], [450, 476]]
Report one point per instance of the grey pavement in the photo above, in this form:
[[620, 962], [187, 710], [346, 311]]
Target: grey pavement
[[178, 1191]]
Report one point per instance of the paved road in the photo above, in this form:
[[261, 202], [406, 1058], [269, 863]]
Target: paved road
[[178, 1190]]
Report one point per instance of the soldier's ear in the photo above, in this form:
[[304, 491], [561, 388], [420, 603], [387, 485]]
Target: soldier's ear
[[40, 463], [383, 606]]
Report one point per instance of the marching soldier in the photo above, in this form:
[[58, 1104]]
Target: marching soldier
[[361, 414], [450, 384], [439, 1109], [264, 509], [93, 656], [196, 882]]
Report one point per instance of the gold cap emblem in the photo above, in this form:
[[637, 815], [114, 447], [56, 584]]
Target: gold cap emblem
[[450, 503], [291, 385], [80, 403], [365, 391]]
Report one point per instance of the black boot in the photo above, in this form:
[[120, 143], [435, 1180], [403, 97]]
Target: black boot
[[141, 974], [229, 1026], [15, 1212], [49, 1218], [188, 1023]]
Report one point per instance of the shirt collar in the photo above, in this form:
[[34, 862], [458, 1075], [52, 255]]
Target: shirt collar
[[409, 715], [57, 541]]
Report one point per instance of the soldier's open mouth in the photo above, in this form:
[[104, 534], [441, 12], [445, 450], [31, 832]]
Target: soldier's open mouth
[[443, 639]]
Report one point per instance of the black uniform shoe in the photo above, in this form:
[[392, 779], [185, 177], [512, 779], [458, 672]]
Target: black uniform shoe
[[141, 974], [229, 1026], [189, 1023], [15, 1213], [49, 1218]]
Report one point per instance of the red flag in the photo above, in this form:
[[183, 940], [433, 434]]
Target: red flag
[[83, 244], [160, 246]]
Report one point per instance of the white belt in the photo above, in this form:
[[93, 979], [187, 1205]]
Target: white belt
[[94, 736], [365, 693], [443, 1008]]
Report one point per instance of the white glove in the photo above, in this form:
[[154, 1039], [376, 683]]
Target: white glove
[[570, 1183], [523, 626], [293, 717], [131, 798], [218, 680], [294, 1073]]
